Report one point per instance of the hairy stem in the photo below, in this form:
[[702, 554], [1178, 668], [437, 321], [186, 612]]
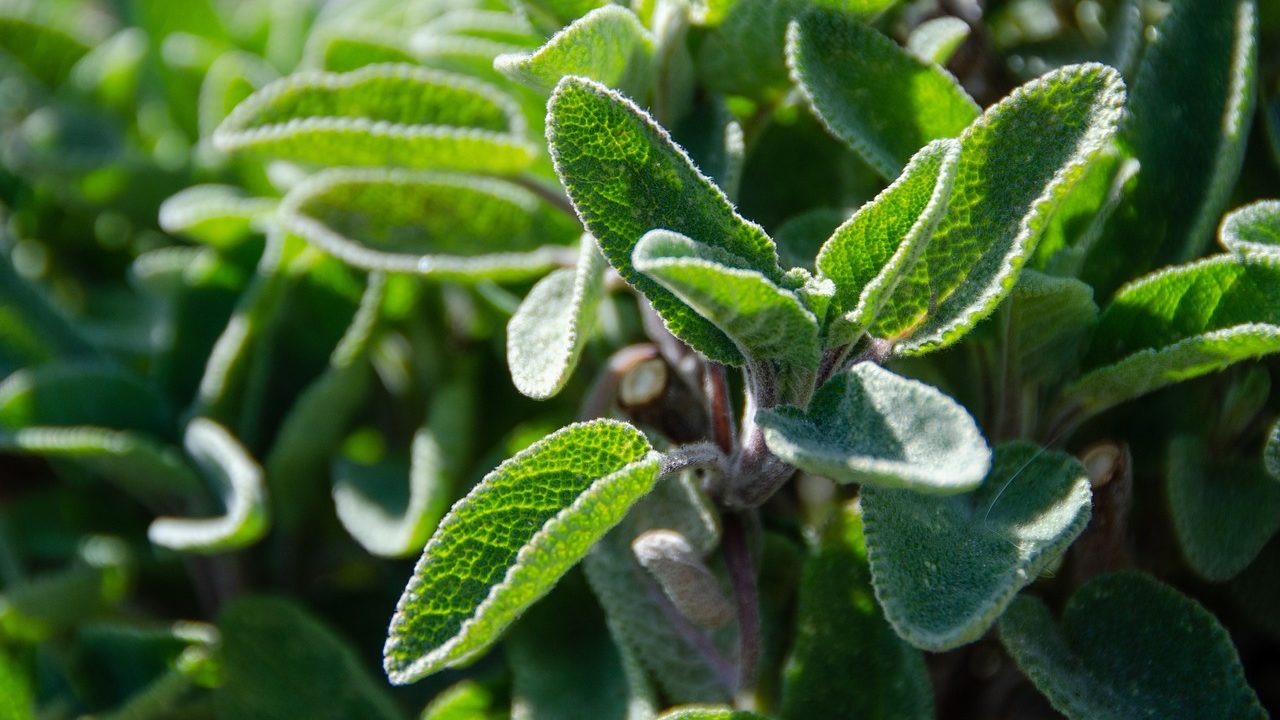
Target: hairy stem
[[742, 575], [719, 406]]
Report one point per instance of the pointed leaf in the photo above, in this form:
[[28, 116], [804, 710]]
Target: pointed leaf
[[945, 568], [608, 45], [764, 321], [868, 425], [870, 92], [935, 41], [1180, 323], [445, 226], [382, 115], [1129, 646], [217, 215], [1050, 319], [526, 523], [625, 177], [1253, 230], [869, 254], [1016, 162]]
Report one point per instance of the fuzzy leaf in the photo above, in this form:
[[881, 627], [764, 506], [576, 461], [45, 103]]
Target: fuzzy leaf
[[625, 177], [869, 254], [237, 481], [230, 80], [764, 321], [1129, 647], [510, 539], [870, 92], [868, 425], [709, 712], [1180, 323], [945, 568], [1187, 123], [1223, 511], [1253, 230], [444, 226], [547, 333], [1081, 217], [1016, 161], [1049, 323], [465, 700], [608, 45], [138, 465], [397, 115], [217, 215], [935, 41], [82, 394]]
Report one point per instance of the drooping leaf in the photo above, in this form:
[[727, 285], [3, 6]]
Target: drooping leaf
[[1224, 511], [869, 254], [547, 333], [445, 226], [1187, 123], [841, 632], [1050, 319], [1253, 230], [530, 520], [935, 41], [625, 177], [870, 92], [868, 425], [945, 568], [764, 321], [83, 394], [1016, 161], [46, 52], [397, 115], [280, 662], [608, 45], [1180, 323], [217, 215], [1129, 646], [138, 465]]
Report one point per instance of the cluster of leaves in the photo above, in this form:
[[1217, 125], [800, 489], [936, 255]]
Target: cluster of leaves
[[893, 373]]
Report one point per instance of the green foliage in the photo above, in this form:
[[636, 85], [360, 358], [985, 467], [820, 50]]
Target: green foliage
[[1253, 230], [608, 45]]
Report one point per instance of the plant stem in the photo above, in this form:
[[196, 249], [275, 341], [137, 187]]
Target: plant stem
[[742, 575], [697, 455], [719, 406]]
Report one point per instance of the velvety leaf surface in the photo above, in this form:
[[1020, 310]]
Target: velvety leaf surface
[[547, 333], [869, 254], [1050, 319], [873, 94], [935, 41], [1224, 511], [625, 177], [1253, 230], [1081, 217], [944, 568], [217, 215], [608, 45], [1180, 323], [1016, 161], [32, 330], [511, 538], [868, 425], [1127, 647]]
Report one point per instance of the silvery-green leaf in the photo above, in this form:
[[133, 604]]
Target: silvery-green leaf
[[217, 215], [935, 41], [1253, 230], [764, 321], [945, 568], [83, 393], [230, 80], [1224, 511], [868, 425], [870, 92], [1187, 122], [1129, 646], [1180, 323], [571, 487], [625, 177], [608, 45], [237, 481], [46, 52], [441, 225], [1016, 162], [869, 254], [546, 334], [1050, 319], [398, 115]]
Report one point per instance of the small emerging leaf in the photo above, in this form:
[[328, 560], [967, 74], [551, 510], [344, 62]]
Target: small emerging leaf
[[608, 45], [935, 41], [1253, 230]]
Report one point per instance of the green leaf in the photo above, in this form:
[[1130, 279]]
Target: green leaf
[[17, 699], [625, 177], [868, 425], [142, 468], [529, 521], [80, 393], [1180, 323], [217, 215], [1050, 319], [945, 568], [445, 226], [869, 254], [1224, 511], [347, 48], [1081, 217], [870, 92], [1253, 230], [841, 632], [935, 41], [608, 45], [1187, 124], [98, 578], [382, 115], [280, 662], [709, 712], [229, 81], [46, 52], [1016, 162], [1129, 646], [762, 320], [32, 330], [547, 333], [465, 700], [237, 481]]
